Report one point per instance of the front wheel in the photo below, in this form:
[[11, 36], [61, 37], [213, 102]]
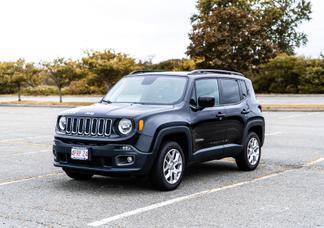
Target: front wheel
[[77, 175], [169, 167], [250, 157]]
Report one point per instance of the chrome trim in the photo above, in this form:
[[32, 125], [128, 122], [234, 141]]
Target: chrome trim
[[102, 131], [106, 125], [68, 120], [85, 128], [76, 127], [96, 128], [82, 130], [101, 128]]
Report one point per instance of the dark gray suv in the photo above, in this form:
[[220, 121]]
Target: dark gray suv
[[158, 123]]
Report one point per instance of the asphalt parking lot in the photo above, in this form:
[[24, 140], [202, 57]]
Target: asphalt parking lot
[[287, 189]]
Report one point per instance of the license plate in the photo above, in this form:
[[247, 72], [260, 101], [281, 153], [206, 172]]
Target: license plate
[[80, 153]]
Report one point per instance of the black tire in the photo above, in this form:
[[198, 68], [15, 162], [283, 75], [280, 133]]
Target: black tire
[[242, 160], [78, 175], [157, 176]]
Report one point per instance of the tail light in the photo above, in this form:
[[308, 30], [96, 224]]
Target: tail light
[[260, 107]]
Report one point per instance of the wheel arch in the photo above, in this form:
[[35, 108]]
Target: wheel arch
[[179, 134], [257, 126]]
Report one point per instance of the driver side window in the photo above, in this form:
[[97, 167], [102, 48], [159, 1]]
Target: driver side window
[[205, 88]]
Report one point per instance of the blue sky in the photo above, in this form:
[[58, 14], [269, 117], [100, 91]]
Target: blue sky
[[45, 29]]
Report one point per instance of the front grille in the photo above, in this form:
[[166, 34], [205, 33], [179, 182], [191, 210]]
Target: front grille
[[88, 126]]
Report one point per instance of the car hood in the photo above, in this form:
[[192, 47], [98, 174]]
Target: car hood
[[117, 110]]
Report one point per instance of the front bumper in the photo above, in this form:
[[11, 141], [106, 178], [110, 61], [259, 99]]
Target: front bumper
[[104, 159]]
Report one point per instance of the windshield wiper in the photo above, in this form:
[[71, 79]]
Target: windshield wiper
[[106, 101]]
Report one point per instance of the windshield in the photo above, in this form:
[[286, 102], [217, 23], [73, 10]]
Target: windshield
[[147, 90]]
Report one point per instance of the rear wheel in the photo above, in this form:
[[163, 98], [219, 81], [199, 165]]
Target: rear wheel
[[250, 157], [78, 175], [169, 167]]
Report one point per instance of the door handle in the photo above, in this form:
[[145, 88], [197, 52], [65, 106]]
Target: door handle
[[220, 115], [245, 111]]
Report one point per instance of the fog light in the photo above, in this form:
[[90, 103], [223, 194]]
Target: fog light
[[129, 159], [125, 160]]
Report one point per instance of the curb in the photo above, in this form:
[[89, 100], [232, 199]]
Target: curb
[[292, 110]]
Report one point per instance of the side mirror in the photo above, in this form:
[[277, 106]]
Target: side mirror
[[205, 102]]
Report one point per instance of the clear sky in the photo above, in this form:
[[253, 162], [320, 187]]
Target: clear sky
[[44, 29]]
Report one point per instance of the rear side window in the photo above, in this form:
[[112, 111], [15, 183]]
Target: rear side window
[[207, 88], [230, 91], [243, 88]]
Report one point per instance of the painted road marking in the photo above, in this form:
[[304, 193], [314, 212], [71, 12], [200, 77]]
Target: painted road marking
[[29, 178], [26, 138], [314, 162], [178, 199], [298, 115], [191, 196], [26, 153], [274, 133]]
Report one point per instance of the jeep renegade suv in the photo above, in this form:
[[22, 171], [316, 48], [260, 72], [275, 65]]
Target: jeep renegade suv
[[157, 123]]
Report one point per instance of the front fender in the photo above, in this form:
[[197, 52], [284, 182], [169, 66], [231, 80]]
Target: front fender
[[164, 132]]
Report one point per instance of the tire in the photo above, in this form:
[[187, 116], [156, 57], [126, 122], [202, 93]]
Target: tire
[[171, 159], [249, 159], [78, 175]]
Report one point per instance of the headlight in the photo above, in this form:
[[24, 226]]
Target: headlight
[[125, 126], [62, 123]]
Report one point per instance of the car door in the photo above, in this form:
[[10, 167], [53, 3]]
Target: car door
[[231, 97], [207, 125]]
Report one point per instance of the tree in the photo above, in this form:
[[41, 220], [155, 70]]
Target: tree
[[280, 75], [290, 74], [313, 79], [107, 67], [33, 74], [175, 65], [241, 34], [14, 75], [62, 72]]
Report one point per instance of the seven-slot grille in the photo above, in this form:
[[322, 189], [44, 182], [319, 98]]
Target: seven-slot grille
[[88, 126]]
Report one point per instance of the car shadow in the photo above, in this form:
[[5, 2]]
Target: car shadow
[[127, 185], [212, 168]]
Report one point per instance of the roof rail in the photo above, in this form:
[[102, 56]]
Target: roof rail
[[144, 71], [215, 71]]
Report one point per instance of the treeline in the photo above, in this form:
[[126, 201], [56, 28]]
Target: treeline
[[97, 71], [255, 37]]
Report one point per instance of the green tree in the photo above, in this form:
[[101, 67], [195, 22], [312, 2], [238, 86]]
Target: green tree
[[313, 79], [16, 75], [175, 65], [290, 74], [241, 34], [107, 67], [33, 75], [62, 72], [280, 75]]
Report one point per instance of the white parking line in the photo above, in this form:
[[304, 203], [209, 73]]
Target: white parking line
[[298, 115], [26, 138], [314, 162], [29, 178], [25, 153], [273, 133], [191, 196], [178, 199]]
